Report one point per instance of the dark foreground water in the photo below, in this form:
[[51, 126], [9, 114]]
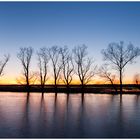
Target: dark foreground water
[[95, 116]]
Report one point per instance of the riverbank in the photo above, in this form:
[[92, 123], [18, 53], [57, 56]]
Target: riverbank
[[102, 88]]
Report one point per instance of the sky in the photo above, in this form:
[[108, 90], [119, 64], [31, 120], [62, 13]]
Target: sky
[[39, 24]]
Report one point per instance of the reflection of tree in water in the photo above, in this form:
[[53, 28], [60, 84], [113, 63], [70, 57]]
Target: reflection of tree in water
[[120, 128], [81, 117], [17, 120], [64, 123], [3, 128], [67, 102], [28, 127], [82, 97], [110, 118], [42, 119], [115, 118], [74, 118], [25, 123], [137, 100], [55, 100], [128, 124], [59, 116]]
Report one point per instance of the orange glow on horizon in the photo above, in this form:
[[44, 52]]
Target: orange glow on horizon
[[7, 81], [75, 81]]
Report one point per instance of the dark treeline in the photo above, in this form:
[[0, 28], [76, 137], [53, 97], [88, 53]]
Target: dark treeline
[[64, 64], [93, 88]]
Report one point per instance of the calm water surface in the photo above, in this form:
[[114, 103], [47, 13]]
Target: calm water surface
[[95, 116]]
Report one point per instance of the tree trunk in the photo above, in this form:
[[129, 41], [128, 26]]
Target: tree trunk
[[27, 84], [82, 83], [55, 85], [120, 81]]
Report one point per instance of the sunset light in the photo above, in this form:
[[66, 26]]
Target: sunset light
[[69, 69]]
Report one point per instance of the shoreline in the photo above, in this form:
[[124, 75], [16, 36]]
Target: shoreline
[[73, 89]]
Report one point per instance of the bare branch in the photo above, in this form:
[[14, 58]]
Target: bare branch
[[85, 71], [24, 56], [3, 63], [54, 54], [43, 59], [107, 76], [67, 65], [120, 56]]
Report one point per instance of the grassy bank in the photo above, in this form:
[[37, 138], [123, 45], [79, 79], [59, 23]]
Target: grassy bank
[[128, 88]]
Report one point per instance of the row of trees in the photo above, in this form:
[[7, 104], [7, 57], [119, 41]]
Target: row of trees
[[66, 63]]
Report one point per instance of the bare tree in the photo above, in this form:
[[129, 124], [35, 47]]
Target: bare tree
[[107, 76], [24, 56], [137, 80], [67, 67], [84, 68], [43, 60], [22, 79], [120, 56], [54, 54], [3, 63]]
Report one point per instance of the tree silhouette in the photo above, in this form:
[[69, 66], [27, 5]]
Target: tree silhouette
[[137, 78], [43, 60], [67, 66], [24, 56], [107, 76], [84, 68], [54, 54], [3, 63], [120, 56]]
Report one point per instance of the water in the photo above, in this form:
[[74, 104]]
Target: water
[[96, 116]]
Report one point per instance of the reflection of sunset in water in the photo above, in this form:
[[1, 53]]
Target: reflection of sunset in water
[[96, 115]]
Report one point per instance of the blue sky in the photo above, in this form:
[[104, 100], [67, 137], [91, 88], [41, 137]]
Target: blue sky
[[95, 24]]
